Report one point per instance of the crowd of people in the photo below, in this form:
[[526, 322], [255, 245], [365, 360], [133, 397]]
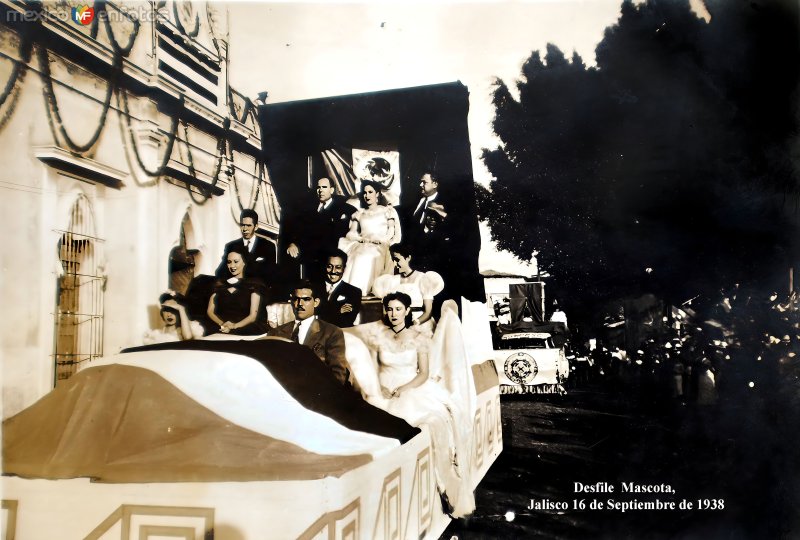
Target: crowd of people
[[343, 255]]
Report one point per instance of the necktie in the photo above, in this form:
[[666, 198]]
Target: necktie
[[296, 332], [421, 209], [247, 245], [321, 206]]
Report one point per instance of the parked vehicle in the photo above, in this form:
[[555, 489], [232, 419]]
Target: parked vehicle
[[529, 363]]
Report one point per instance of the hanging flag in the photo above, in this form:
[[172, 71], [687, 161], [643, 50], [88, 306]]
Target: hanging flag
[[382, 167]]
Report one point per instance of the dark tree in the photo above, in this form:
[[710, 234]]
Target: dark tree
[[668, 168]]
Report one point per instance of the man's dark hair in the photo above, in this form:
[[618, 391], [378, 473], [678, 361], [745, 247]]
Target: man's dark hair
[[329, 181], [314, 287], [336, 253], [249, 212]]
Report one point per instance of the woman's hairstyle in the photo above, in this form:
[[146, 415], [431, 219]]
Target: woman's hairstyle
[[243, 253], [177, 297], [401, 248], [379, 189], [241, 250], [401, 297], [172, 310]]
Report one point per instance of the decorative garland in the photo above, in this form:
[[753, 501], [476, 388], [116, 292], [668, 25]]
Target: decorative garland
[[53, 113], [118, 50], [196, 30], [254, 191], [17, 78], [56, 122], [173, 134], [217, 167]]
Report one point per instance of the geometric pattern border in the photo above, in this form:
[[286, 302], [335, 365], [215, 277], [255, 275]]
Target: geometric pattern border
[[489, 426], [390, 507], [477, 439], [425, 489], [126, 513], [9, 507], [328, 523]]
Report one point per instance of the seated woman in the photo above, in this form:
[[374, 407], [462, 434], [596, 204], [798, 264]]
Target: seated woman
[[177, 325], [372, 230], [236, 304], [420, 286], [409, 392]]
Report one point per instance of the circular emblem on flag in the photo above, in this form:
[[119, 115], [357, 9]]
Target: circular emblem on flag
[[375, 168], [521, 368]]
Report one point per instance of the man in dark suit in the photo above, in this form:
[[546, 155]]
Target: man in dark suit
[[316, 230], [429, 226], [325, 339], [342, 301], [260, 262]]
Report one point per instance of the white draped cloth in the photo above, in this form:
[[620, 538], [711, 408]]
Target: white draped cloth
[[445, 401], [372, 231], [240, 390]]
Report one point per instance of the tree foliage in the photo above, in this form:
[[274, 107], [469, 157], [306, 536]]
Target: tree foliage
[[668, 166]]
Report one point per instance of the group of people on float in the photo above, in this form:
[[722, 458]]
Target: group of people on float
[[352, 253]]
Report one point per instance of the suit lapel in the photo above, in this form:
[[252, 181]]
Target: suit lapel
[[313, 330]]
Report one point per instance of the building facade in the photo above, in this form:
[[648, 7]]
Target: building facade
[[127, 159]]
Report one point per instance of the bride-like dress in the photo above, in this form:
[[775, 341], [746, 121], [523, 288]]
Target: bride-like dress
[[372, 231], [432, 403]]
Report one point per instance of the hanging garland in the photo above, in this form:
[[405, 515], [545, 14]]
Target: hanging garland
[[194, 32], [118, 50], [53, 113], [217, 166], [173, 134], [17, 77], [56, 122], [254, 191]]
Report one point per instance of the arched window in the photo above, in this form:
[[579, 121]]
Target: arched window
[[79, 298]]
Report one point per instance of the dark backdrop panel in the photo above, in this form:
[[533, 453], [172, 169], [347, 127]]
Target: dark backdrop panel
[[428, 125]]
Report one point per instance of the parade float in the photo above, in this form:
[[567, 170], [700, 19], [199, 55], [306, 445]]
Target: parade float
[[234, 440], [528, 351]]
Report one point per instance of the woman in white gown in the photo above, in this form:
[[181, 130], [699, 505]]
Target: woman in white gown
[[372, 230], [420, 286], [410, 393]]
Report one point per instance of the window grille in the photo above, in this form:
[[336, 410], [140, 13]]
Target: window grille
[[78, 332]]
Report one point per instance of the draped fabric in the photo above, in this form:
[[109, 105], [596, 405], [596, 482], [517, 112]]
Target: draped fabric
[[340, 170], [298, 371], [195, 411], [119, 423], [450, 383], [526, 300]]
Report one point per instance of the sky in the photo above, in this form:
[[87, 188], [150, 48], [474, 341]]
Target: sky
[[303, 50]]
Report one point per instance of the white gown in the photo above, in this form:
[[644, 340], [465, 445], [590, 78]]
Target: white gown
[[430, 404], [419, 286], [367, 243]]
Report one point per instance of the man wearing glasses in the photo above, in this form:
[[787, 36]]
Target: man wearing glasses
[[342, 301], [325, 339]]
